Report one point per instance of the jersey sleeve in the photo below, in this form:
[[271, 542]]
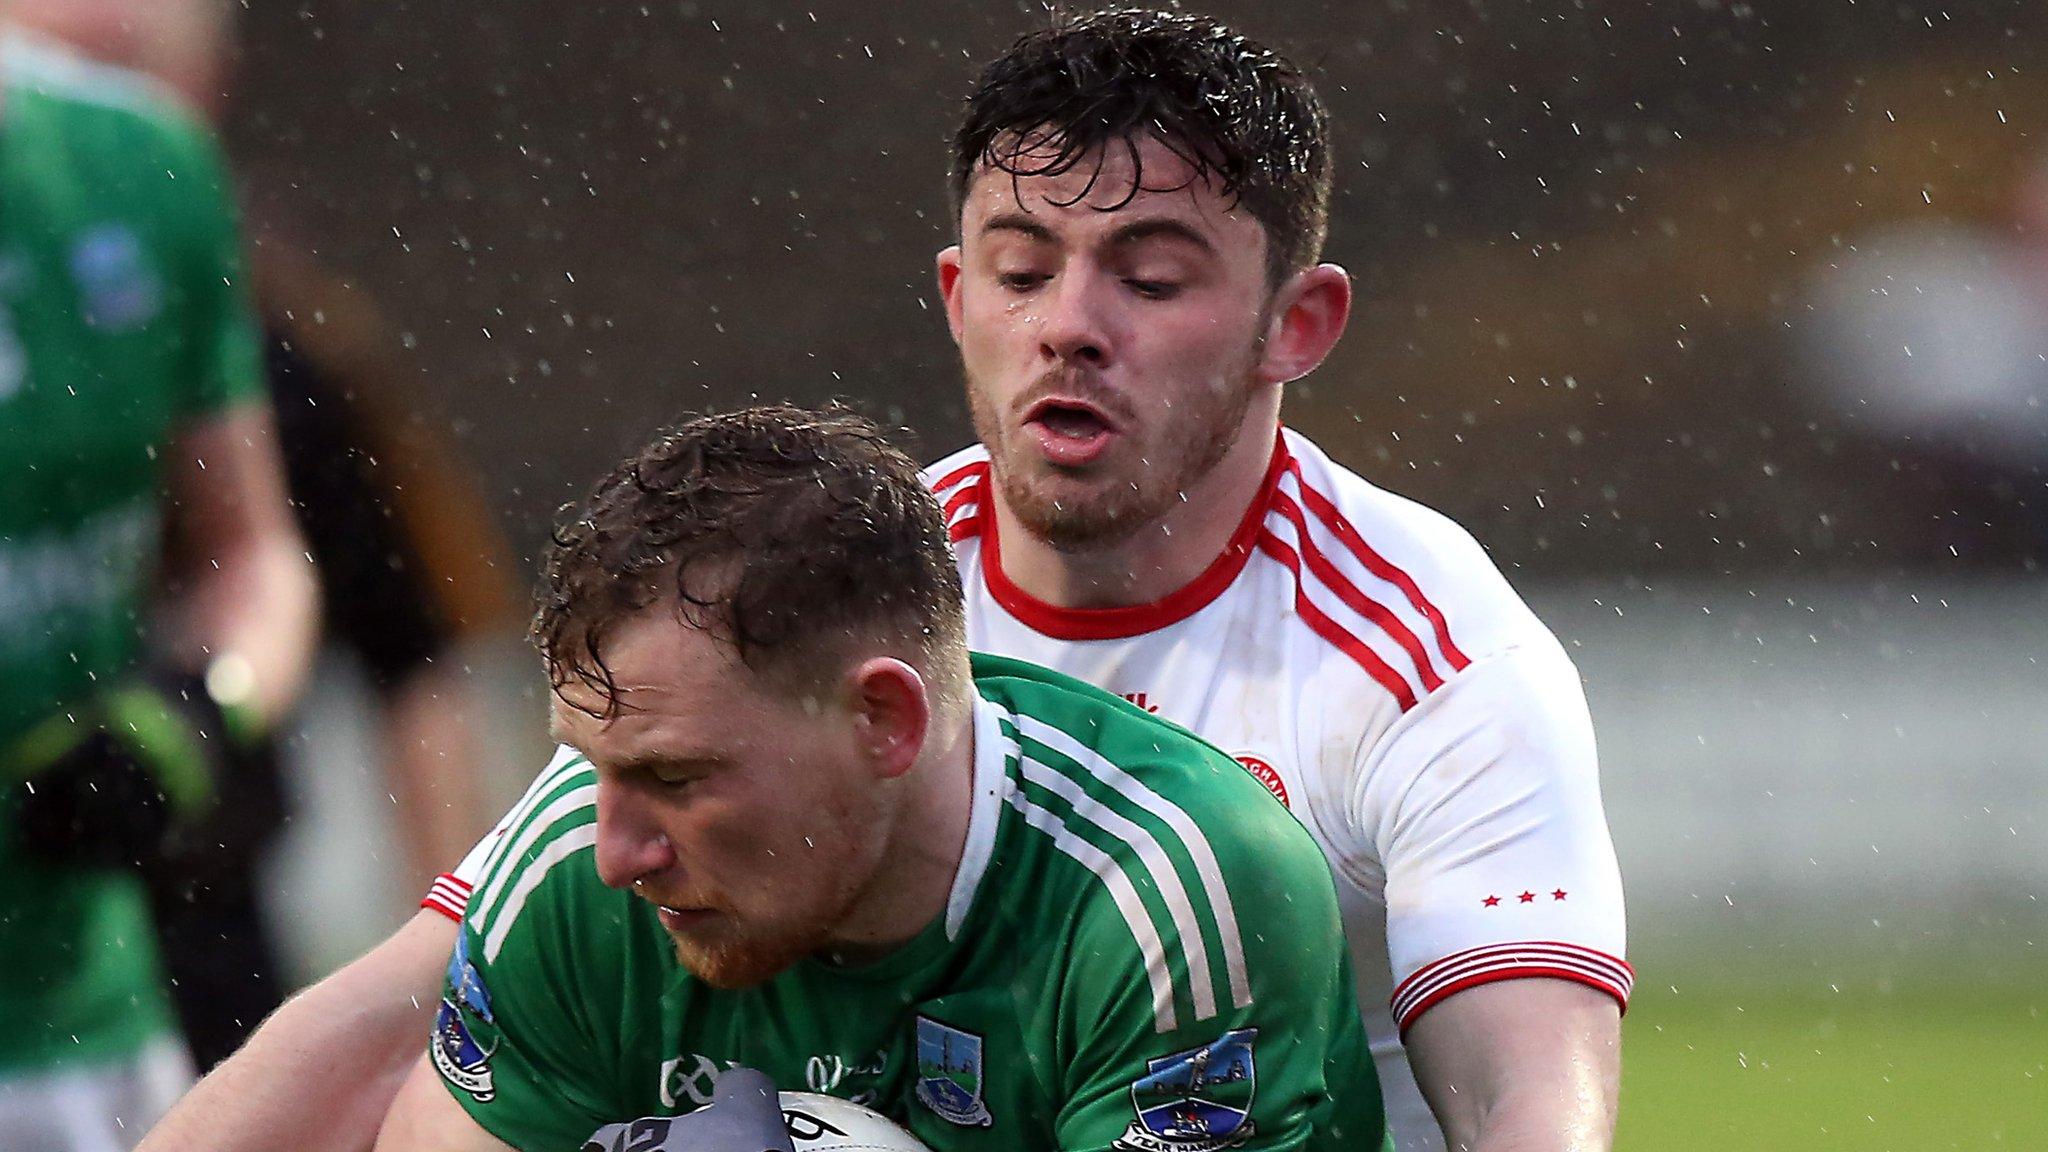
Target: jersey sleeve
[[1485, 805], [1269, 1055], [513, 1036], [221, 342], [449, 894]]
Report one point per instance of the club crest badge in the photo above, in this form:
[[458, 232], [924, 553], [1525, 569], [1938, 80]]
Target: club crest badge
[[118, 290], [949, 1073], [460, 1059], [1197, 1100]]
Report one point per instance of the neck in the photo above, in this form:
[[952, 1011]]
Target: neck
[[1161, 557], [914, 881]]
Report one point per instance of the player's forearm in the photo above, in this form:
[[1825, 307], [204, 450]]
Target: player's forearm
[[321, 1072], [239, 581], [262, 606]]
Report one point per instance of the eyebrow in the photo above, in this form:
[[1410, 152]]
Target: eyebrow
[[1135, 232]]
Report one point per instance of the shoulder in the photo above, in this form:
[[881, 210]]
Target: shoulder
[[962, 469], [1153, 844], [956, 481], [1414, 570], [116, 103], [541, 848], [1120, 754]]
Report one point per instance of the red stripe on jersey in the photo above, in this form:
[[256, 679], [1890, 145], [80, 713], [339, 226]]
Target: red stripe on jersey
[[1435, 982], [449, 896], [966, 529], [970, 494], [1138, 619], [1335, 580], [976, 469], [1327, 512], [1334, 632]]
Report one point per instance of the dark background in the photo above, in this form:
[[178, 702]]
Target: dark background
[[1584, 235]]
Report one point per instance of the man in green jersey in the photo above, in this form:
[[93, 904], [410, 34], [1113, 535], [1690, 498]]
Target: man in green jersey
[[155, 604], [794, 828]]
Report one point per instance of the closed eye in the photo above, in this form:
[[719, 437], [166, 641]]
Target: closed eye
[[1153, 289]]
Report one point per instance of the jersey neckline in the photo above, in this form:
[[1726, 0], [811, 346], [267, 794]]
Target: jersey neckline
[[1124, 621]]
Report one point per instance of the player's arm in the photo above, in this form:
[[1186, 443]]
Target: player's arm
[[321, 1071], [326, 1066], [425, 1118], [241, 586], [1504, 907], [1521, 1064], [526, 1038], [1270, 1041], [239, 581]]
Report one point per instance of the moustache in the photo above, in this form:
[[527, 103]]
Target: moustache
[[1070, 383]]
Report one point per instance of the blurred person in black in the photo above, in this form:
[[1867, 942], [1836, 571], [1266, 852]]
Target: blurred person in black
[[408, 561]]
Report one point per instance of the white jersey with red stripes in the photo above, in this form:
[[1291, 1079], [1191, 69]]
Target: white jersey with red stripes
[[1362, 656]]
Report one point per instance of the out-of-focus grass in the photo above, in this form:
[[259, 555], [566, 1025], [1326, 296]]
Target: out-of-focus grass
[[1912, 1063]]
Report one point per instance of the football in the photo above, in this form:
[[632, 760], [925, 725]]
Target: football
[[828, 1124]]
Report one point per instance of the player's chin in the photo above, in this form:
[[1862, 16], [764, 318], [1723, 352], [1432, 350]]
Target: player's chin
[[731, 965]]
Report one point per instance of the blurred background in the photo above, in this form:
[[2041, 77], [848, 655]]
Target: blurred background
[[1720, 324]]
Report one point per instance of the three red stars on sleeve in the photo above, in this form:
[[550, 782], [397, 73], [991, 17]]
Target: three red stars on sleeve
[[1556, 894]]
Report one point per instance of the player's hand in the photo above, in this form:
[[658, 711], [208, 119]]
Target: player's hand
[[108, 782], [744, 1115]]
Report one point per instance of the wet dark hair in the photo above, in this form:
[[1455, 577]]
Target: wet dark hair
[[782, 531], [1242, 115]]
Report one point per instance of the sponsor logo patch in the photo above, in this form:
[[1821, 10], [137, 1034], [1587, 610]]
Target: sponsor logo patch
[[1197, 1100], [949, 1073], [457, 1056]]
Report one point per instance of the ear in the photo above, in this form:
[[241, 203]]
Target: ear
[[1309, 314], [948, 265], [892, 713]]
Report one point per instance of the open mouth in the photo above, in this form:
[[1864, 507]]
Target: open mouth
[[1070, 432], [683, 919]]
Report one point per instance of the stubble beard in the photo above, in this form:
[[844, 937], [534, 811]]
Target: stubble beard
[[1117, 504], [744, 961], [748, 951]]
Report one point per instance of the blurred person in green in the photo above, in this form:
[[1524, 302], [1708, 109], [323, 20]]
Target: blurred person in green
[[159, 607], [410, 564]]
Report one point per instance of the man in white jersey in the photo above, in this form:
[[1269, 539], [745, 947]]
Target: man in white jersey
[[1143, 200]]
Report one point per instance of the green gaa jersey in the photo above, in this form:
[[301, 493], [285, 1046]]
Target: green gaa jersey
[[121, 318], [1141, 951]]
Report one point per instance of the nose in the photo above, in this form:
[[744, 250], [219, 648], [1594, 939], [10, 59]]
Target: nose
[[1073, 321], [631, 845]]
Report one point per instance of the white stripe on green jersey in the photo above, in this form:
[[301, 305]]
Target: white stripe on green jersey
[[1151, 862], [555, 804], [1143, 930], [1191, 839], [561, 848]]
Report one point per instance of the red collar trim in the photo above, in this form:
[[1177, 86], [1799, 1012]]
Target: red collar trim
[[1124, 621]]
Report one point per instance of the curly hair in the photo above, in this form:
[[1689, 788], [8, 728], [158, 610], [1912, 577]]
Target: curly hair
[[1240, 114], [779, 530]]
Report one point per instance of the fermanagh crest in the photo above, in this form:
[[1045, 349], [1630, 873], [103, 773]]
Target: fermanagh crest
[[465, 1063], [1197, 1100], [949, 1073]]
